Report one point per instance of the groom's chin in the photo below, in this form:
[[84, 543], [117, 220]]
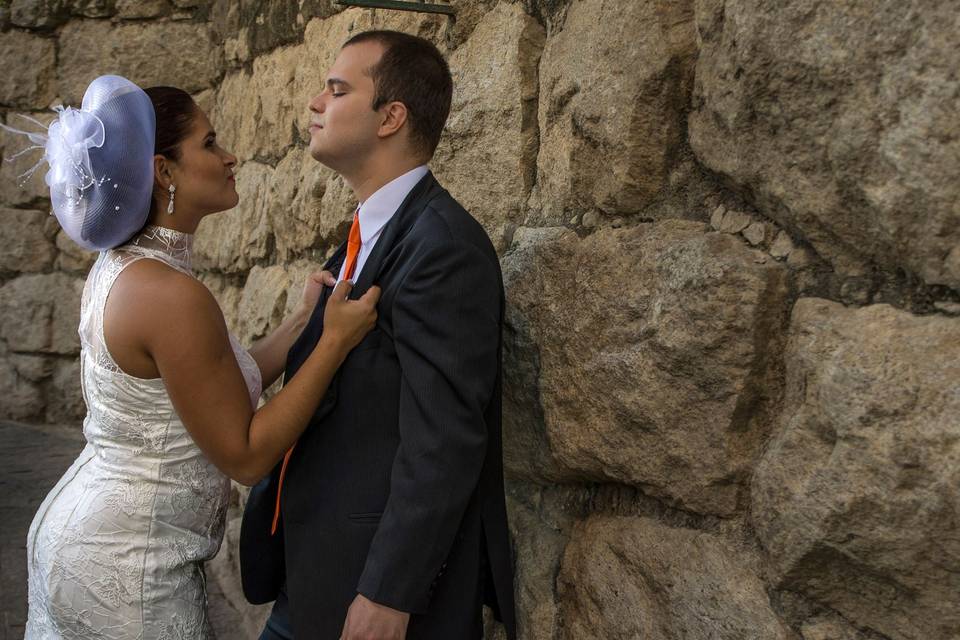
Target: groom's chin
[[321, 157]]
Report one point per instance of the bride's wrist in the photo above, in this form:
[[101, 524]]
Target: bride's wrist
[[330, 341], [299, 317]]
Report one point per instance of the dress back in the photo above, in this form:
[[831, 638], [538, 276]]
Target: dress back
[[116, 549]]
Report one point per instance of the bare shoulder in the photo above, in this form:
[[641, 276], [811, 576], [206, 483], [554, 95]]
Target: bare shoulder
[[153, 286], [151, 298]]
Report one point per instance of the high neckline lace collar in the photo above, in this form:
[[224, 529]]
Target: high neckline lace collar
[[175, 246]]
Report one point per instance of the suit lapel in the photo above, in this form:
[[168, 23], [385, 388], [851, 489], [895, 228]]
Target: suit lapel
[[304, 344], [399, 224]]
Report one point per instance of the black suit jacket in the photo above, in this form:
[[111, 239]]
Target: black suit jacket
[[395, 490]]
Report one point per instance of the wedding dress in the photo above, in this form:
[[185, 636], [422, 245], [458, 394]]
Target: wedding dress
[[116, 550]]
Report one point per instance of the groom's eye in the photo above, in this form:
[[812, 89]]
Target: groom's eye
[[337, 94]]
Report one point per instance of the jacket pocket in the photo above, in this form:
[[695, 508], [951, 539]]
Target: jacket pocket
[[371, 516]]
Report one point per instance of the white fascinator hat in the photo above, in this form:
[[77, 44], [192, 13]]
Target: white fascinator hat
[[101, 163]]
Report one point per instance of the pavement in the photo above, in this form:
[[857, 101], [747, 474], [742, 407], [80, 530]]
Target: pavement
[[32, 459]]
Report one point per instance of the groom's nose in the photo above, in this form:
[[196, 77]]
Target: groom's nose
[[317, 103]]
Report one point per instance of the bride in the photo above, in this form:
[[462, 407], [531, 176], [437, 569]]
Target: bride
[[116, 550]]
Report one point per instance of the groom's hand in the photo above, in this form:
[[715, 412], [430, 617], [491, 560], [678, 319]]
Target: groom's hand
[[367, 620]]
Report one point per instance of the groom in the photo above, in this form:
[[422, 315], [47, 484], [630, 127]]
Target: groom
[[388, 518]]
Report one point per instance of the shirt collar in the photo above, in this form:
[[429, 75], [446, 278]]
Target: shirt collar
[[377, 210]]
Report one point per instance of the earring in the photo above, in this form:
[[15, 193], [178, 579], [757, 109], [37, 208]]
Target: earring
[[173, 191]]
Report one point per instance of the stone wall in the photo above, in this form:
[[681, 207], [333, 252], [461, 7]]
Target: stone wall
[[730, 236]]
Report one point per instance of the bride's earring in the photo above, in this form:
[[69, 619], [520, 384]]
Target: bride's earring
[[173, 191]]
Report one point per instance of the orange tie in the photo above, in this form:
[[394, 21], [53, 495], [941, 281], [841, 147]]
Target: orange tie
[[353, 250]]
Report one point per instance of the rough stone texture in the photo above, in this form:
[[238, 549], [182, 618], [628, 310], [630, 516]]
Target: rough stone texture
[[139, 9], [490, 146], [312, 207], [829, 628], [842, 118], [610, 97], [28, 77], [660, 390], [140, 51], [235, 240], [541, 520], [64, 398], [257, 113], [857, 497], [26, 247], [72, 257], [228, 297], [625, 578], [20, 397], [40, 14], [758, 232], [16, 190], [41, 313], [735, 221], [782, 245], [263, 302]]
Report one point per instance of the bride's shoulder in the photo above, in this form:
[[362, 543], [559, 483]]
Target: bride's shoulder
[[159, 291]]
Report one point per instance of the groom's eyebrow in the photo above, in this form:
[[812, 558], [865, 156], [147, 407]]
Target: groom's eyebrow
[[331, 82]]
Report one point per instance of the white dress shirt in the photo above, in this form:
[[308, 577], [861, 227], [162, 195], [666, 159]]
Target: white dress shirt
[[376, 212]]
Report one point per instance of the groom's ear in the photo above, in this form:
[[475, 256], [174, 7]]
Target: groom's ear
[[393, 116]]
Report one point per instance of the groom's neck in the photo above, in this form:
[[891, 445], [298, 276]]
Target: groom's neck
[[368, 179]]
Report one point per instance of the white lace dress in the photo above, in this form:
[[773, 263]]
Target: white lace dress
[[116, 550]]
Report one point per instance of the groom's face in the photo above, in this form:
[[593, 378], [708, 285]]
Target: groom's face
[[343, 124]]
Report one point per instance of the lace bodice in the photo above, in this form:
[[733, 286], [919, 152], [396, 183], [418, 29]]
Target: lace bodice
[[115, 550]]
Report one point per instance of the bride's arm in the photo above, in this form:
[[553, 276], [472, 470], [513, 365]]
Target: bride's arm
[[270, 352], [184, 333]]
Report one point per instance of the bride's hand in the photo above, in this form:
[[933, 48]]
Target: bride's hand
[[311, 290], [346, 322]]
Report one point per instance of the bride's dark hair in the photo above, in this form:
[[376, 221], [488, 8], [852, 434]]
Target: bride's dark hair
[[175, 110]]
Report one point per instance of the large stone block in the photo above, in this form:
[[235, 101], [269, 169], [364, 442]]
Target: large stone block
[[41, 313], [24, 243], [258, 27], [629, 577], [842, 120], [256, 112], [643, 352], [140, 51], [857, 498], [29, 72], [611, 109], [39, 14], [489, 151]]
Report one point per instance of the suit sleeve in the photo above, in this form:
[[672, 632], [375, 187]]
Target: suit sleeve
[[446, 331]]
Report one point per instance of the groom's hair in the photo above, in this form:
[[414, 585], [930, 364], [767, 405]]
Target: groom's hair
[[414, 72]]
